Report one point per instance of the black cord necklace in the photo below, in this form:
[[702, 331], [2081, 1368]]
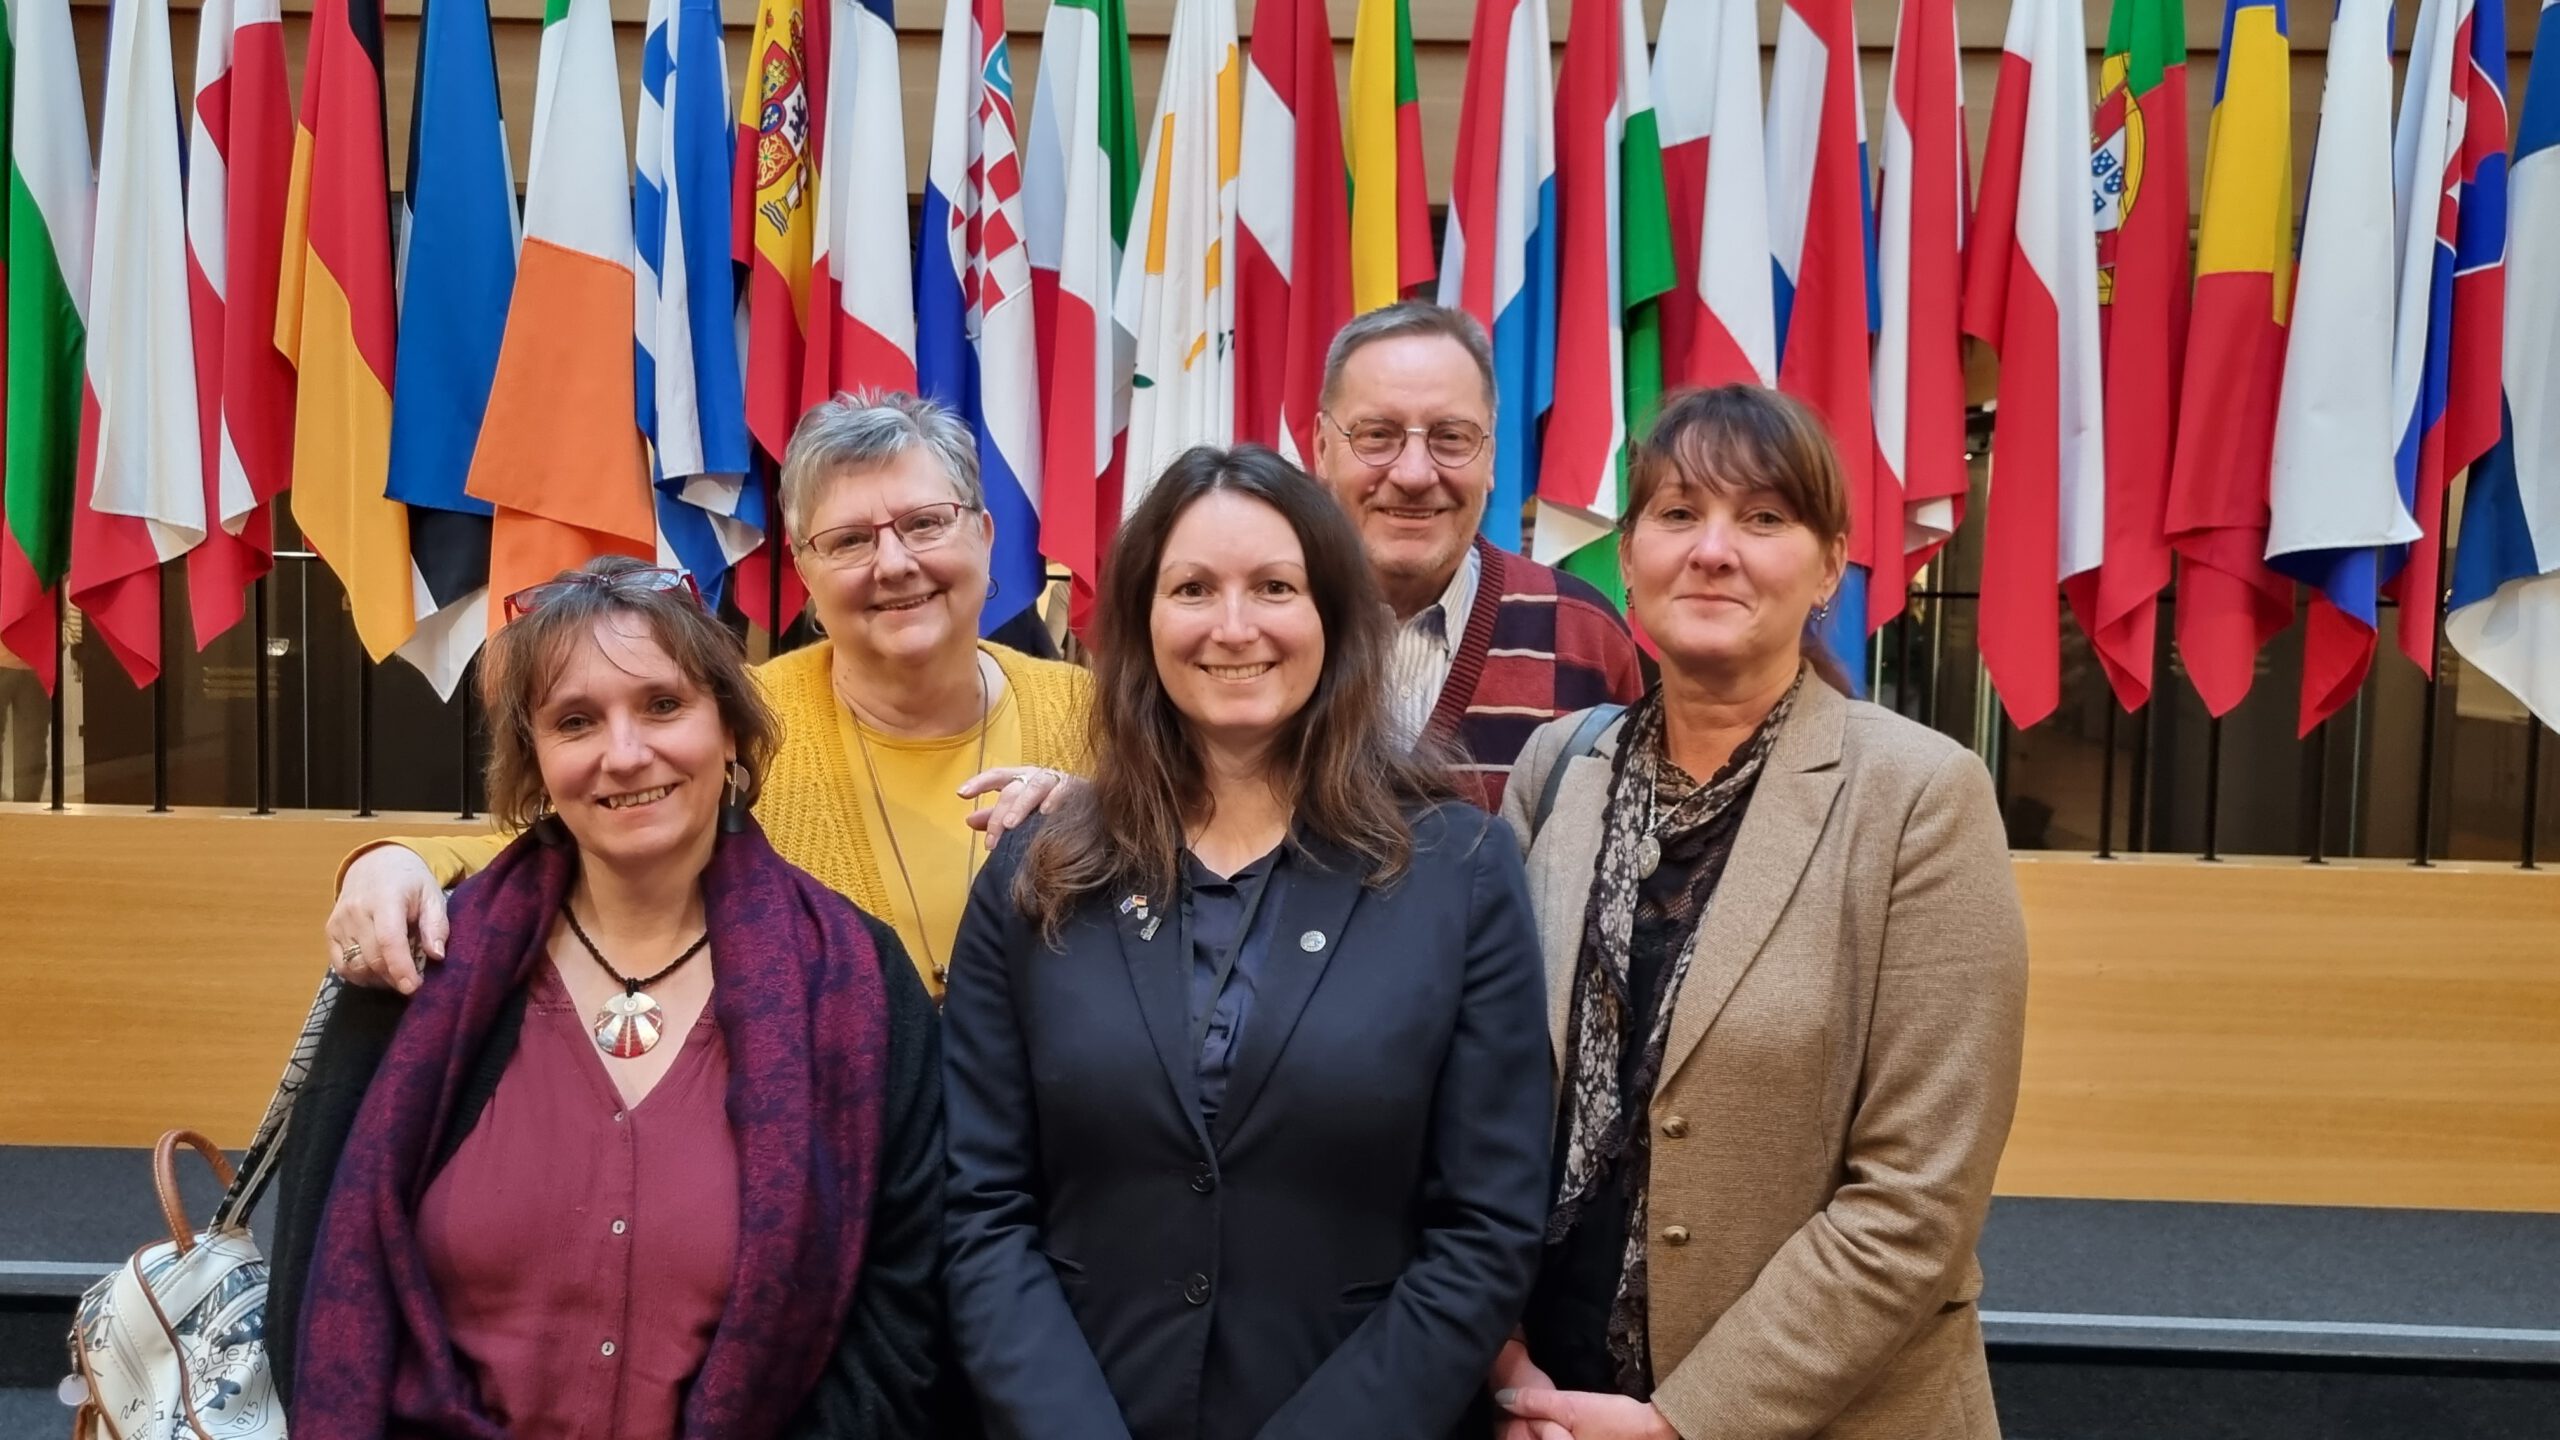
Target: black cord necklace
[[630, 1023]]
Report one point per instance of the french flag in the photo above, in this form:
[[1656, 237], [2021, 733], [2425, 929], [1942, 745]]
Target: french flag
[[977, 348], [862, 317], [1498, 255], [1720, 323], [1822, 238]]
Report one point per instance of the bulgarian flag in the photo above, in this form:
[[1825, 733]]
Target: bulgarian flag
[[1615, 258], [1079, 182], [2138, 174], [51, 196], [1293, 227], [560, 454], [1390, 213], [2229, 603], [2031, 290]]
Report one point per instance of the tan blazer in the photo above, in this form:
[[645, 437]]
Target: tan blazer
[[1840, 1074]]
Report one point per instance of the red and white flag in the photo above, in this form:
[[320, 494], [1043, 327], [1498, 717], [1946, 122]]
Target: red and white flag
[[1293, 227]]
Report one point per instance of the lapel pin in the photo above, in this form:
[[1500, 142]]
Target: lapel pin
[[1148, 930], [1134, 902], [1312, 941]]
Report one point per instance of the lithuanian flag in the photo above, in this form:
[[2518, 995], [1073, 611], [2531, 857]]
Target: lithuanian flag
[[1390, 213]]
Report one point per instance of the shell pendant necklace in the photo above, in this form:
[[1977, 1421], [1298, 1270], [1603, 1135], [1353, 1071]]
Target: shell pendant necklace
[[630, 1023]]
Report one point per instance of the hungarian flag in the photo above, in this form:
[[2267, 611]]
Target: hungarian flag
[[2215, 516], [2031, 290], [1615, 254], [1176, 299], [1390, 212], [457, 270], [1293, 227], [781, 112], [2351, 369], [1719, 322], [2138, 175], [862, 316], [239, 160], [1079, 184], [2505, 616], [1920, 475], [1498, 256], [1822, 240], [141, 478], [560, 453], [52, 197]]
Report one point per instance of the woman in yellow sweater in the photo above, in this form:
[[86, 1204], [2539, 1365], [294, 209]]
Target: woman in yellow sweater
[[882, 726]]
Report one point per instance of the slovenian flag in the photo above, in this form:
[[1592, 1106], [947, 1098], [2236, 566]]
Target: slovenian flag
[[977, 346], [1293, 227], [1498, 257], [2505, 616]]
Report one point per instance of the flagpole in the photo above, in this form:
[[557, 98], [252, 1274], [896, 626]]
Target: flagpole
[[2425, 847], [364, 735], [265, 714], [2213, 789], [2107, 786], [2319, 796], [160, 706], [462, 745], [2532, 789], [61, 674]]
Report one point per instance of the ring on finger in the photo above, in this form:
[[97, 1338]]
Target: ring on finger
[[350, 955]]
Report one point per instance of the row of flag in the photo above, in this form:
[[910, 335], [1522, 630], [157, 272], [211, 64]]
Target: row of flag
[[467, 400]]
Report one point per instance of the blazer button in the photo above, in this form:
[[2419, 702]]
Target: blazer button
[[1676, 1127], [1675, 1235], [1204, 1182], [1196, 1289]]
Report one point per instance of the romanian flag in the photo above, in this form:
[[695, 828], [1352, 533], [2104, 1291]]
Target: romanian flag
[[560, 452], [336, 321], [1390, 213], [2215, 516], [1293, 227]]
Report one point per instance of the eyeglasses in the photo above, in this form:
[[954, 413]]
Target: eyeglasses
[[851, 547], [629, 582], [1380, 442]]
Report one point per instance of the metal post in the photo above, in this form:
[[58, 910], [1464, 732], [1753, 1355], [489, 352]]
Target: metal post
[[2532, 790], [2107, 787], [160, 712], [1902, 661], [364, 736], [462, 724], [2319, 796], [60, 722], [265, 709], [2213, 789]]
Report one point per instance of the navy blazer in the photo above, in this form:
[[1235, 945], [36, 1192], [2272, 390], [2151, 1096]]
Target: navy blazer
[[1344, 1254]]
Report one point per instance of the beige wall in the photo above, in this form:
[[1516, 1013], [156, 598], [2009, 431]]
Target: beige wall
[[1440, 34]]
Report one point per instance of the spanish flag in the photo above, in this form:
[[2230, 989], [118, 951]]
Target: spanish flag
[[336, 321], [1390, 213]]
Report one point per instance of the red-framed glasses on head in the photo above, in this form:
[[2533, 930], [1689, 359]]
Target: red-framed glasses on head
[[630, 582]]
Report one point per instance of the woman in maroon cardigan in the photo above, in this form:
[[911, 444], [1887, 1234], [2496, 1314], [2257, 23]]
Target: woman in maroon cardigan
[[657, 1152]]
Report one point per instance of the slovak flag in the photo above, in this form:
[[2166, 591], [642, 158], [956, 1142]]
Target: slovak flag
[[977, 348]]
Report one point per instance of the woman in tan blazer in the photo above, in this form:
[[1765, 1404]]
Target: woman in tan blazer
[[1786, 978]]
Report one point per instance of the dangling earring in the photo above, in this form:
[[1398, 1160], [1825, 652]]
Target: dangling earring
[[733, 805], [548, 828], [1822, 611], [991, 587]]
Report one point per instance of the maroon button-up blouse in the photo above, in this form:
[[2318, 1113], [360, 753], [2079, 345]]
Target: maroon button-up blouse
[[581, 1250]]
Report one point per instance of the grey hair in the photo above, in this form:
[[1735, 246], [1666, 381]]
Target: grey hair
[[1394, 322], [866, 430]]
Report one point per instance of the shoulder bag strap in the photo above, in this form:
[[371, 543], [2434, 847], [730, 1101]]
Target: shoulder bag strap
[[260, 1161], [1595, 722]]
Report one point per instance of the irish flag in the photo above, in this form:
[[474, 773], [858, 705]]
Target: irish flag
[[560, 452], [2031, 290], [1390, 214], [51, 195], [1293, 227]]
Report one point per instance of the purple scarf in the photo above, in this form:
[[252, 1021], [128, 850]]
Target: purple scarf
[[802, 1005]]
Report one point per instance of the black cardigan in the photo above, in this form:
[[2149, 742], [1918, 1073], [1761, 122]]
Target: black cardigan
[[889, 1377]]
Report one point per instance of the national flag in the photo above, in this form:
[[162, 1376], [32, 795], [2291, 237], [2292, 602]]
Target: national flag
[[862, 318], [52, 199], [1614, 248], [2505, 615], [2451, 150], [239, 162], [1175, 296], [1079, 184], [977, 336], [1390, 211], [560, 451], [1822, 239], [2334, 497], [1921, 479], [1498, 257], [781, 113], [2138, 178], [692, 386], [1720, 321], [1293, 227], [457, 268], [2031, 291], [2229, 603]]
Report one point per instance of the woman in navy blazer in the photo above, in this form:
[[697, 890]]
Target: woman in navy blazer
[[1246, 1046]]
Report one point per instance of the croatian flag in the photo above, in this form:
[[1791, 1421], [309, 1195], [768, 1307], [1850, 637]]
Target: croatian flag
[[977, 349], [2505, 618], [1498, 258]]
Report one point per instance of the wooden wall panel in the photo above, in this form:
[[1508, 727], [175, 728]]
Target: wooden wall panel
[[2350, 1034]]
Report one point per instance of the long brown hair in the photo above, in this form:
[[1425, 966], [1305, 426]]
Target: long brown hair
[[1733, 439], [1338, 760]]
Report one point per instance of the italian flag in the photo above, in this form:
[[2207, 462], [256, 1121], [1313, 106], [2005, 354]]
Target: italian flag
[[1390, 213], [51, 197]]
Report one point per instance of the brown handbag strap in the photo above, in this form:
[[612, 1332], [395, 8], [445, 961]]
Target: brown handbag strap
[[164, 1179]]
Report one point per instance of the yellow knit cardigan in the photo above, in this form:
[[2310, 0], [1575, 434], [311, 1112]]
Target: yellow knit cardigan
[[812, 808]]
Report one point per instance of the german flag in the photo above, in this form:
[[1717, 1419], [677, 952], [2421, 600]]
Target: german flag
[[337, 322]]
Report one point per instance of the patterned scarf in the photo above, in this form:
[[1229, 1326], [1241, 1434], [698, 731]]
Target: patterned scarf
[[1646, 803], [802, 1005]]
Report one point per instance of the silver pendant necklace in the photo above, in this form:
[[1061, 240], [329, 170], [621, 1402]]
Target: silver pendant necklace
[[630, 1023], [880, 798]]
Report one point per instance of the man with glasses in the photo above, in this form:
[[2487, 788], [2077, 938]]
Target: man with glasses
[[1489, 645]]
